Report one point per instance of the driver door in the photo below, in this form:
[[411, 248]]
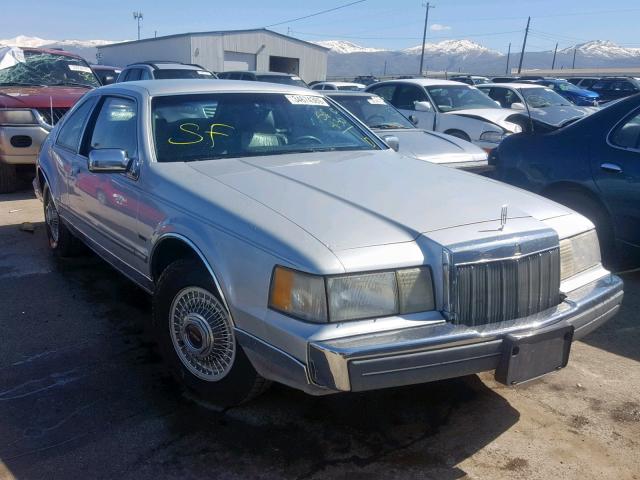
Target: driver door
[[405, 98]]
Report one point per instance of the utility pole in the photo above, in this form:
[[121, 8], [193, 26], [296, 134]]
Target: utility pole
[[573, 65], [506, 70], [553, 64], [138, 16], [524, 44], [424, 33], [384, 73], [155, 34]]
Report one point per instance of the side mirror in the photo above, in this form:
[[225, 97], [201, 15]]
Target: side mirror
[[109, 160], [108, 80], [392, 141], [517, 106], [423, 106], [413, 119]]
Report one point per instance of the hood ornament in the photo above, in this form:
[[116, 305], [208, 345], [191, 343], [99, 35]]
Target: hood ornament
[[503, 216]]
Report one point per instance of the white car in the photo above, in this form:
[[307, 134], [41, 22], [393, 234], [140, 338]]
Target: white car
[[348, 86], [450, 107]]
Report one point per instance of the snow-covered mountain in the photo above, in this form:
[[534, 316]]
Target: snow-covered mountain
[[471, 57], [84, 48], [341, 46]]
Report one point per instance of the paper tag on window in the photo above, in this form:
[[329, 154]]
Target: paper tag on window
[[79, 68], [202, 72], [307, 100], [375, 100]]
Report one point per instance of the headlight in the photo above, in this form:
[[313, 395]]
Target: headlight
[[578, 254], [22, 116], [353, 296], [493, 137]]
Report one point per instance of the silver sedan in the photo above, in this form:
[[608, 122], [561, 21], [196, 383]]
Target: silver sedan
[[283, 241]]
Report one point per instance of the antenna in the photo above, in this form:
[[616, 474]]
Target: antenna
[[138, 16]]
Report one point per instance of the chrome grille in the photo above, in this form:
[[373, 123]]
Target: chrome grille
[[502, 290], [46, 113]]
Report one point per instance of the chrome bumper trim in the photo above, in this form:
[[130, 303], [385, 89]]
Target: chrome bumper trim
[[428, 353]]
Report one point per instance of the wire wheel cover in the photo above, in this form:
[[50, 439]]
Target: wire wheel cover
[[202, 334], [52, 219]]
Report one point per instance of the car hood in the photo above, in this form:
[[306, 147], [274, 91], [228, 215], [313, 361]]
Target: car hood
[[497, 116], [557, 116], [40, 97], [349, 200], [435, 147]]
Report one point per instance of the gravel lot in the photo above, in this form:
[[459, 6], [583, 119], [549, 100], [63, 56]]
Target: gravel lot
[[83, 395]]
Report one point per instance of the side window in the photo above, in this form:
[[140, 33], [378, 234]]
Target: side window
[[628, 134], [134, 74], [116, 126], [407, 95], [385, 91], [601, 85], [626, 86], [498, 94], [145, 75], [71, 131]]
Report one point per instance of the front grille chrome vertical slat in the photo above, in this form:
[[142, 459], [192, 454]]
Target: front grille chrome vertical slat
[[501, 290], [58, 113]]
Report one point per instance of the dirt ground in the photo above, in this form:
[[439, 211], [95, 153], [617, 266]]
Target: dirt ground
[[83, 395]]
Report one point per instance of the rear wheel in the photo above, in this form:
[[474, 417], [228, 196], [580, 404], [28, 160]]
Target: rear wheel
[[61, 240], [196, 337], [8, 178]]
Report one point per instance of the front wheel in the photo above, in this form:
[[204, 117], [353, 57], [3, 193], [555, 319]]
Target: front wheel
[[61, 241], [196, 337]]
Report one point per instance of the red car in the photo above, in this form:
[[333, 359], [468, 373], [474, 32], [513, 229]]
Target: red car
[[37, 87]]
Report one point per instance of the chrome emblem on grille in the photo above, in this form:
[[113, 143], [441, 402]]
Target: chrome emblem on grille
[[503, 216]]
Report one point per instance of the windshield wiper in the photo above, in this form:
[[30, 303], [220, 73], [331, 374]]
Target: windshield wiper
[[72, 84], [383, 126], [20, 84]]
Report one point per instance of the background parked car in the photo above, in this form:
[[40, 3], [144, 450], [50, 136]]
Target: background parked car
[[366, 79], [388, 122], [37, 87], [592, 166], [543, 104], [272, 77], [163, 71], [504, 79], [569, 91], [106, 74], [347, 86], [470, 79], [451, 107], [613, 88], [583, 82]]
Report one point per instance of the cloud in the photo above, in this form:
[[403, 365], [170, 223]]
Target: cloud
[[436, 27]]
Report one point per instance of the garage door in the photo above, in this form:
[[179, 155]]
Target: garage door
[[239, 61]]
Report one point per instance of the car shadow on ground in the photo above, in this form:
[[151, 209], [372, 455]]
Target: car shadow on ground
[[83, 393], [621, 335]]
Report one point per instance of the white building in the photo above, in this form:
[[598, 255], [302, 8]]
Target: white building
[[259, 49]]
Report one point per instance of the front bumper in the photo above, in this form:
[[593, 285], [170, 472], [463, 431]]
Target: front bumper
[[20, 145], [435, 352]]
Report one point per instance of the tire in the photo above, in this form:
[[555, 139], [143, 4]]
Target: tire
[[591, 209], [8, 178], [458, 134], [190, 319], [61, 241]]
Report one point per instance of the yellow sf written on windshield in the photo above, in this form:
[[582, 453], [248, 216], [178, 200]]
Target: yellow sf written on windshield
[[196, 137]]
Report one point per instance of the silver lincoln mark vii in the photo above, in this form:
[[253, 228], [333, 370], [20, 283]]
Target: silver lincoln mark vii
[[283, 241]]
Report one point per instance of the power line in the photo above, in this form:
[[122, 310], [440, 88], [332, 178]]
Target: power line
[[316, 14], [431, 37]]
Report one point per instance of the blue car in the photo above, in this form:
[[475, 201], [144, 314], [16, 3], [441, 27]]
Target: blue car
[[575, 95], [592, 166]]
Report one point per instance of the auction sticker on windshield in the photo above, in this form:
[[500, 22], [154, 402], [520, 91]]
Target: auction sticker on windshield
[[79, 68], [307, 100], [375, 100]]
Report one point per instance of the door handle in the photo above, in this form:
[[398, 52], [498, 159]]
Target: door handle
[[611, 167]]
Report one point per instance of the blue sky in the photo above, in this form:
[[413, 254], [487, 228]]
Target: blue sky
[[375, 23]]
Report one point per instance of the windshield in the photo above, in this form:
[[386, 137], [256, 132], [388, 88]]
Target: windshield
[[450, 98], [214, 126], [46, 69], [568, 87], [170, 73], [284, 79], [543, 97], [373, 111]]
